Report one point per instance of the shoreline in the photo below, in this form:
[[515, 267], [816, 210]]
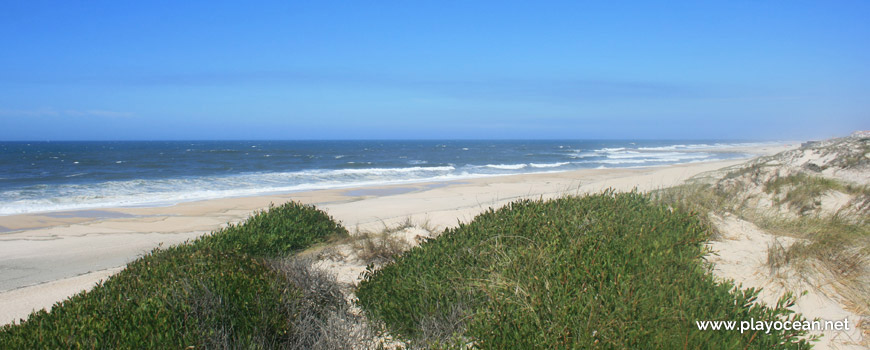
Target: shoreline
[[47, 258], [133, 192]]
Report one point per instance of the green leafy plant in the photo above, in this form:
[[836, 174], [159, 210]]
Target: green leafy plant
[[608, 270], [218, 291]]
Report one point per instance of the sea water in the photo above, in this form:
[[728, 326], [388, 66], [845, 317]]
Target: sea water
[[53, 176]]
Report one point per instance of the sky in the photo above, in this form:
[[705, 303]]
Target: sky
[[220, 70]]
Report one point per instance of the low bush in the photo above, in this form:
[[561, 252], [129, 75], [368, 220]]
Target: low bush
[[219, 291], [603, 271]]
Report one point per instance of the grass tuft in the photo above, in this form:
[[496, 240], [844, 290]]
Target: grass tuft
[[833, 248], [384, 245], [803, 192]]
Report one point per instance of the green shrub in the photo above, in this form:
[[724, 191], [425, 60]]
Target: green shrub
[[609, 271], [280, 231], [216, 292]]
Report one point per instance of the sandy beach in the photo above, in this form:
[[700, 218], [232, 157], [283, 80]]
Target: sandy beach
[[47, 257]]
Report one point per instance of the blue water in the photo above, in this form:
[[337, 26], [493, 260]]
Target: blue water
[[52, 176]]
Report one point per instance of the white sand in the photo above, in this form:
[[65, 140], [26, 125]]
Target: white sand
[[741, 255]]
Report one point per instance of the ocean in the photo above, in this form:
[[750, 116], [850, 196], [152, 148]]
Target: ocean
[[57, 176]]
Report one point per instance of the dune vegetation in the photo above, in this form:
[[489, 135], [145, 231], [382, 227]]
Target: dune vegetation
[[817, 195], [600, 271], [612, 270], [223, 290]]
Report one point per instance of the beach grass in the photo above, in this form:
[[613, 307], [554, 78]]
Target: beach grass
[[831, 247], [601, 271], [803, 192], [381, 246]]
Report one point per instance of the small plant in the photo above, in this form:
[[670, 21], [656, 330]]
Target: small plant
[[382, 246], [830, 249], [857, 157], [778, 256], [800, 191], [323, 317]]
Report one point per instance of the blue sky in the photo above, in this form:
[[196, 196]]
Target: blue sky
[[118, 70]]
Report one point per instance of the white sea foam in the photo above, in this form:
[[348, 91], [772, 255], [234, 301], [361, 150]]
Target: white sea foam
[[139, 192], [673, 156], [687, 147], [649, 161], [614, 161], [680, 153], [584, 154], [705, 146], [678, 147], [548, 165], [506, 166], [369, 171]]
